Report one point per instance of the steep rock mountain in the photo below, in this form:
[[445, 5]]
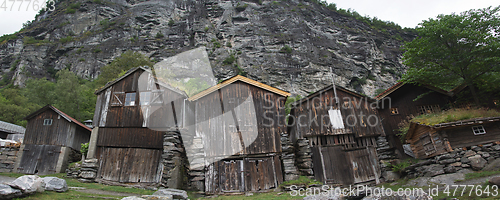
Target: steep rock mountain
[[287, 44]]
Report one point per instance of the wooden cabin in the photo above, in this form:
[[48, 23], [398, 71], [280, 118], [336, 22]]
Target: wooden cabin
[[340, 156], [402, 101], [132, 114], [429, 141], [7, 128], [240, 121], [51, 141]]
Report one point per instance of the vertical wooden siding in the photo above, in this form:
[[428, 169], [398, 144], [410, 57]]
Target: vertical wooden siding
[[55, 134], [312, 118], [130, 137], [216, 123]]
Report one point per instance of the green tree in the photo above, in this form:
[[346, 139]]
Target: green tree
[[120, 65], [455, 49], [40, 91], [14, 106]]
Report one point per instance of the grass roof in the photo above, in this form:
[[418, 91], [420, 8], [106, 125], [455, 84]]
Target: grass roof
[[454, 115]]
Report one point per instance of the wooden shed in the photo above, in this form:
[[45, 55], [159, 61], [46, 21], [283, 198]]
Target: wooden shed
[[402, 101], [131, 116], [341, 156], [429, 141], [52, 140], [240, 121]]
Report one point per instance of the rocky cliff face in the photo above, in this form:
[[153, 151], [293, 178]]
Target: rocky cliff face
[[290, 45]]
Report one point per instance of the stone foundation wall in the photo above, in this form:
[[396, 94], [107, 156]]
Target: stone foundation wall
[[481, 157], [304, 158], [291, 171], [386, 156], [8, 157], [174, 161]]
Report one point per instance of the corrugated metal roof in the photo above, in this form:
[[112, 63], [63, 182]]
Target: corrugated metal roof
[[11, 128]]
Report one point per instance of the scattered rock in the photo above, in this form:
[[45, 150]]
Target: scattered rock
[[418, 196], [493, 165], [175, 193], [55, 184], [447, 179], [477, 162], [28, 184], [418, 182], [154, 197], [464, 160], [495, 180], [450, 169], [7, 192], [132, 198], [469, 153], [447, 161], [457, 164], [390, 176], [476, 148], [433, 170]]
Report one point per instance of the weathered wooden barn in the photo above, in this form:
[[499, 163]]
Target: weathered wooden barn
[[341, 156], [133, 113], [240, 121], [8, 128], [402, 101], [429, 141], [52, 140]]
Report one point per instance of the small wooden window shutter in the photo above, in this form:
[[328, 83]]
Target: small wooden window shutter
[[157, 97], [117, 99]]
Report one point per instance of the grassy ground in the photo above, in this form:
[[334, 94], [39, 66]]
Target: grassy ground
[[443, 192]]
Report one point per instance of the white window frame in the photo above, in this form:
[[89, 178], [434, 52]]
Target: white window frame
[[145, 98], [130, 101], [47, 122], [478, 130]]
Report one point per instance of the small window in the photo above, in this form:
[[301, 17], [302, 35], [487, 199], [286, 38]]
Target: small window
[[117, 98], [394, 111], [426, 109], [130, 99], [145, 98], [47, 122], [478, 130]]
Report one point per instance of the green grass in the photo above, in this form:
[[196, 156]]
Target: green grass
[[303, 180], [454, 115], [480, 174], [70, 194]]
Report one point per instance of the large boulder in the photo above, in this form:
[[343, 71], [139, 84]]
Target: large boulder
[[477, 162], [175, 193], [55, 184], [7, 192], [493, 165], [495, 180], [28, 184]]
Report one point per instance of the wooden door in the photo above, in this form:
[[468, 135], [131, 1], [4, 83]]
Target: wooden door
[[332, 164], [364, 164], [129, 165], [231, 176], [261, 174], [248, 174], [47, 162], [39, 159]]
